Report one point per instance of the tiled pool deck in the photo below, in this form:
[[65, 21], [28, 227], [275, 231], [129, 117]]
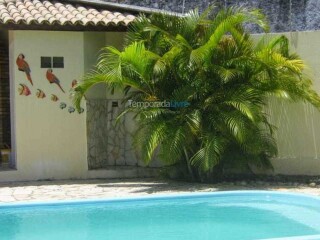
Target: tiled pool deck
[[106, 188]]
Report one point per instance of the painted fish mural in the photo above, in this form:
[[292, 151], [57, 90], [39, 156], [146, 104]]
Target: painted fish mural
[[81, 110], [40, 94], [63, 105], [23, 66], [74, 83], [71, 109], [54, 98], [53, 79], [24, 90]]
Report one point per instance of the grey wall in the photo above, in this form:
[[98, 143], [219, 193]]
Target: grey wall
[[284, 15]]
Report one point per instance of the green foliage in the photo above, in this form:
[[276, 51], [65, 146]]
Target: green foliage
[[211, 61]]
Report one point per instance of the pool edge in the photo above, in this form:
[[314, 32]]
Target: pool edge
[[159, 197]]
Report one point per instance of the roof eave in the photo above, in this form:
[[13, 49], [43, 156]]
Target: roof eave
[[58, 27], [123, 7]]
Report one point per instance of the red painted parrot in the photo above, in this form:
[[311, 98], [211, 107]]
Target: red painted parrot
[[23, 66], [53, 79]]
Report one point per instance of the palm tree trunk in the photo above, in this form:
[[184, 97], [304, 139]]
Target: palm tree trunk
[[188, 164]]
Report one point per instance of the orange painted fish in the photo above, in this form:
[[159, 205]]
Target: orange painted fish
[[74, 83], [23, 66], [40, 94], [54, 98], [24, 90]]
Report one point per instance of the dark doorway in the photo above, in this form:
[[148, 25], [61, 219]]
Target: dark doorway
[[5, 121]]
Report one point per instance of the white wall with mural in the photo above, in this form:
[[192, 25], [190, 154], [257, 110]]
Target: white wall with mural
[[50, 137]]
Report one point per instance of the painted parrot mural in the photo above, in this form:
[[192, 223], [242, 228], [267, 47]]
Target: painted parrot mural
[[23, 66], [53, 79]]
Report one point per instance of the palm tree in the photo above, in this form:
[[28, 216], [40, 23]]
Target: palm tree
[[211, 61]]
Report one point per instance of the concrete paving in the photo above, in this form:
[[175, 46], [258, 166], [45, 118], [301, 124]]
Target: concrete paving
[[106, 188]]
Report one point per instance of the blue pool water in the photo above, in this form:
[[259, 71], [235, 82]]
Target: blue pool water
[[222, 216]]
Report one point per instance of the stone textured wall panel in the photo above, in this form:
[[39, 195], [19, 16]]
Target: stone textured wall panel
[[283, 15], [109, 142]]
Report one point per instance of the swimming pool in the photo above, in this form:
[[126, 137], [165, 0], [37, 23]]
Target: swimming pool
[[238, 215]]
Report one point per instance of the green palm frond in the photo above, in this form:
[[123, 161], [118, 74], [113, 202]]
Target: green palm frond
[[209, 154], [149, 138], [172, 146]]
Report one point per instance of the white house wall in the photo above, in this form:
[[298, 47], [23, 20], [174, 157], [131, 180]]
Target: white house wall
[[94, 43], [50, 142], [298, 134]]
